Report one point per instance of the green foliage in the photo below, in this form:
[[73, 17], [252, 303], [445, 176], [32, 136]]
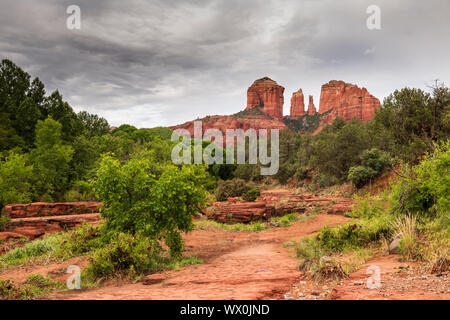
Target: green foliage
[[232, 188], [411, 120], [355, 234], [91, 125], [306, 123], [35, 286], [253, 226], [251, 194], [361, 175], [286, 220], [135, 201], [125, 254], [35, 249], [80, 241], [15, 180], [425, 189], [373, 162], [51, 158]]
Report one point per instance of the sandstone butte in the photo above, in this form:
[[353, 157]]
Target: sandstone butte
[[264, 110]]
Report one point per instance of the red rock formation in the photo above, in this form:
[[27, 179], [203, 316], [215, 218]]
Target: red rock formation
[[276, 204], [311, 108], [42, 209], [224, 123], [267, 94], [36, 227], [347, 101], [297, 104]]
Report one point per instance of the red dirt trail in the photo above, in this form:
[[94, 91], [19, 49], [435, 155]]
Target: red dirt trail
[[237, 265]]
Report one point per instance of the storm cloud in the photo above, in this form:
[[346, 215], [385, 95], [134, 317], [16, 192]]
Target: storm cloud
[[151, 63]]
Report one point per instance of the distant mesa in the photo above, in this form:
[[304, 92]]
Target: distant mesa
[[264, 110]]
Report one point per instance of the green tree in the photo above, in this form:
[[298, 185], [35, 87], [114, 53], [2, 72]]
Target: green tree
[[15, 179], [414, 119], [136, 202], [51, 159], [92, 125]]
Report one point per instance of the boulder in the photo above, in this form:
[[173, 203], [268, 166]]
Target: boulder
[[395, 245]]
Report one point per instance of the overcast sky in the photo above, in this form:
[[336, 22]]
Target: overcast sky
[[150, 63]]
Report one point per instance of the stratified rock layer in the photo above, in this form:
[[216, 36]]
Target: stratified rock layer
[[43, 209], [268, 95], [297, 104]]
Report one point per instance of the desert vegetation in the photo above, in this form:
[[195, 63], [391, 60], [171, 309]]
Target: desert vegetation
[[49, 153]]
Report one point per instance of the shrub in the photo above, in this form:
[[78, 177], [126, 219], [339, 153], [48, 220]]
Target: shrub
[[34, 249], [231, 188], [425, 188], [405, 227], [81, 240], [355, 234], [136, 202], [360, 175], [126, 255], [35, 286], [373, 162], [252, 194]]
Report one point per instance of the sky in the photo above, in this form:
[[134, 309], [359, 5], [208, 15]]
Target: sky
[[155, 63]]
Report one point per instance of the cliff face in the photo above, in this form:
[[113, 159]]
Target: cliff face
[[268, 95], [347, 101], [297, 104]]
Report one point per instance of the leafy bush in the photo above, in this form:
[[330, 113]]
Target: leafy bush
[[81, 240], [231, 188], [357, 234], [425, 189], [360, 175], [252, 194], [136, 202], [125, 254], [373, 162], [15, 179]]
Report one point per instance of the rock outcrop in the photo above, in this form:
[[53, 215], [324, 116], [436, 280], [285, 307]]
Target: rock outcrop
[[43, 209], [311, 108], [268, 95], [297, 104], [275, 204], [265, 109], [347, 101]]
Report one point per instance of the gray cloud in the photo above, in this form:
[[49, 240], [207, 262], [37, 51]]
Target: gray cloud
[[152, 62]]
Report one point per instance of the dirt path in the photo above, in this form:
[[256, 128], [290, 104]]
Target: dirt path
[[398, 281], [237, 265]]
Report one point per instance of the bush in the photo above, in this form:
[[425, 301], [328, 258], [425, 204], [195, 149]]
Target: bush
[[324, 180], [252, 194], [373, 162], [425, 188], [136, 202], [34, 249], [354, 235], [128, 255], [231, 188], [81, 240], [360, 175]]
